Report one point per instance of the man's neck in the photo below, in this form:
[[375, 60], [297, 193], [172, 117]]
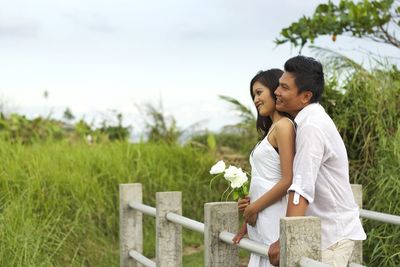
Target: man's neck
[[295, 113]]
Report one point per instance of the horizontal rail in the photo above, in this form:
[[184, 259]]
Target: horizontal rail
[[246, 243], [306, 262], [143, 208], [141, 259], [379, 216], [185, 222]]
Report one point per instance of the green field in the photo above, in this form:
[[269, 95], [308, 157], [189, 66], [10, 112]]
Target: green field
[[59, 196], [59, 201]]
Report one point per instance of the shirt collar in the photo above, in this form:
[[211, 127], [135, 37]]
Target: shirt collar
[[310, 108]]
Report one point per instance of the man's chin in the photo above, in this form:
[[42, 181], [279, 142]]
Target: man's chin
[[280, 108]]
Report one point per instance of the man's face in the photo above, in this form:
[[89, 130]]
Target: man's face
[[288, 98]]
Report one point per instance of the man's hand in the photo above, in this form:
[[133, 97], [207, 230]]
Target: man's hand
[[243, 203], [274, 253]]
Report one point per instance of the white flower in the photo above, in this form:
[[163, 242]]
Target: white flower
[[231, 172], [239, 180], [219, 167], [236, 176]]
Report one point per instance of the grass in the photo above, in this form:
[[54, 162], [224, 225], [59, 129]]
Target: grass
[[367, 116], [59, 201]]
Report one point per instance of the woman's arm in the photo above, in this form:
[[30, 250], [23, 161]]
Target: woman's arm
[[285, 140], [242, 232]]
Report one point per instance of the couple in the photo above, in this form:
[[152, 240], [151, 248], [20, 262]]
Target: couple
[[300, 153]]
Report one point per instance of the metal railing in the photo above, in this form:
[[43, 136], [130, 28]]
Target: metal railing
[[219, 218], [245, 243], [221, 222], [380, 216]]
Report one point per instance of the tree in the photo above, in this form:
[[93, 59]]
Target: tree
[[159, 126], [68, 115], [376, 20]]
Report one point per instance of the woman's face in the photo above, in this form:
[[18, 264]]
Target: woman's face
[[263, 100]]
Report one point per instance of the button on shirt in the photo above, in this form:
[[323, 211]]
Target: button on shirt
[[321, 175]]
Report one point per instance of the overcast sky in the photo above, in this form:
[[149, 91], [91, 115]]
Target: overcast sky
[[95, 56]]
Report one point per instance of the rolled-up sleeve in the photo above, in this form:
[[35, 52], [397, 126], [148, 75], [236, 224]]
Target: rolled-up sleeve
[[307, 161]]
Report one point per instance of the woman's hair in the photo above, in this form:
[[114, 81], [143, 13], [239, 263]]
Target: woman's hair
[[270, 79]]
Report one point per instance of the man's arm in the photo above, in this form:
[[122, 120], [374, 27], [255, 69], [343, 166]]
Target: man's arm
[[296, 209], [292, 210]]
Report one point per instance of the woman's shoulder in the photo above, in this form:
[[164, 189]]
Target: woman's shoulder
[[285, 124]]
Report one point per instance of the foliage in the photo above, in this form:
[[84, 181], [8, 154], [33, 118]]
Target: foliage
[[18, 128], [68, 115], [375, 20], [118, 132], [161, 128], [247, 118], [59, 201], [365, 109], [233, 143]]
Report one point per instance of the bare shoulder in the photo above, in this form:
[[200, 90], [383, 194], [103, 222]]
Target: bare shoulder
[[284, 125]]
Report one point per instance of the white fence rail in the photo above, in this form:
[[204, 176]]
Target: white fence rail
[[220, 223], [380, 217], [299, 236]]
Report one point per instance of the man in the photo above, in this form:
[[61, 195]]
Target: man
[[320, 184]]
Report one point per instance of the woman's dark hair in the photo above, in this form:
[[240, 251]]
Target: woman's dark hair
[[270, 79]]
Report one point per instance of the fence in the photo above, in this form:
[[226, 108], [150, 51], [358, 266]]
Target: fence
[[300, 237]]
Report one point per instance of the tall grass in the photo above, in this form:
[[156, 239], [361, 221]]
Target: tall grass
[[59, 202], [366, 110]]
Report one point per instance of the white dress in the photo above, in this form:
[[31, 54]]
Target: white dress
[[265, 173]]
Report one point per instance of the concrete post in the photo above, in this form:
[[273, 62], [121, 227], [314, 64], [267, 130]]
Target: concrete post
[[356, 257], [169, 235], [130, 223], [299, 236], [218, 217]]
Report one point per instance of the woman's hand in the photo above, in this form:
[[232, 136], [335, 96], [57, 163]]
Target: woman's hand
[[250, 214], [243, 203], [242, 232]]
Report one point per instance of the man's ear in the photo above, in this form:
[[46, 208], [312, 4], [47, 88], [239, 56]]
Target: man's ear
[[306, 97]]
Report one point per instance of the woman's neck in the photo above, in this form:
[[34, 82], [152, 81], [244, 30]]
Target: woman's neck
[[276, 116]]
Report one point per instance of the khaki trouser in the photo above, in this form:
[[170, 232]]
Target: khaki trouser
[[338, 254]]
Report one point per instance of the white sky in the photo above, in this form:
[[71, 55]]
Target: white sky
[[95, 56]]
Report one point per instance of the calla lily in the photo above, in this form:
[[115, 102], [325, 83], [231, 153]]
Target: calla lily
[[218, 168]]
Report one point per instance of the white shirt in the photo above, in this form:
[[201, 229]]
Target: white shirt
[[321, 175]]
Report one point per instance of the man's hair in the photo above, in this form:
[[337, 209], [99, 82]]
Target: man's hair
[[308, 75]]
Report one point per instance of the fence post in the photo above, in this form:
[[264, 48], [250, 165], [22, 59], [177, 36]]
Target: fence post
[[218, 217], [356, 257], [169, 235], [130, 223], [299, 236]]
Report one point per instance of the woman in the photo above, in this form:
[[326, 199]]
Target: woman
[[271, 167]]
